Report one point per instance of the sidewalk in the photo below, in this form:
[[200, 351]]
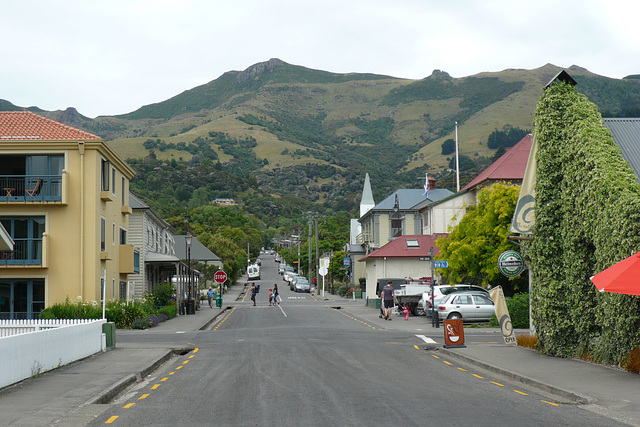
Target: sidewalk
[[71, 389], [602, 389]]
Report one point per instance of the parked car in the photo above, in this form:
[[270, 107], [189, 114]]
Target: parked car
[[286, 268], [468, 306], [425, 305], [301, 284]]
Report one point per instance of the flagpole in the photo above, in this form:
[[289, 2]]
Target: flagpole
[[457, 162]]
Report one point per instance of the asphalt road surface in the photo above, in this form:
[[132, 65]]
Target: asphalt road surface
[[305, 363]]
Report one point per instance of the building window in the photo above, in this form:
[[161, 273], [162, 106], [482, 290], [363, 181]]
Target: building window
[[123, 236], [123, 290], [113, 180], [113, 234], [136, 262], [26, 233], [123, 196], [105, 175], [21, 298], [103, 234]]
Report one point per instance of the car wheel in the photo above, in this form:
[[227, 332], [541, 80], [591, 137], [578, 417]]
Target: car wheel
[[454, 316]]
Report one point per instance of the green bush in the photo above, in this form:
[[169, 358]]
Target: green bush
[[170, 310], [518, 311], [161, 295], [72, 310], [123, 313], [140, 324]]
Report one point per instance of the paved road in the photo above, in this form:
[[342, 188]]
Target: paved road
[[306, 362]]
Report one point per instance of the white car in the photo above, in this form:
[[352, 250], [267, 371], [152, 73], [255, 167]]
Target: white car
[[468, 306], [425, 305]]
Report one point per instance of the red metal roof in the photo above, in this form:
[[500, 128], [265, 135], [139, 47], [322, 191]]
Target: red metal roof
[[21, 125], [398, 247], [509, 167]]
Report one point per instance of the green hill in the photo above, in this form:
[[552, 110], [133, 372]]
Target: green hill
[[314, 134]]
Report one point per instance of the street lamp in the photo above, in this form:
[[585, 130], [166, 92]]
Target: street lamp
[[187, 239]]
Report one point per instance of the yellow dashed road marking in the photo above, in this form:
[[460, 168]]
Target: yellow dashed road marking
[[128, 405], [462, 369], [144, 396], [493, 382], [550, 403], [112, 419], [164, 379], [520, 392], [155, 386], [178, 367], [478, 376]]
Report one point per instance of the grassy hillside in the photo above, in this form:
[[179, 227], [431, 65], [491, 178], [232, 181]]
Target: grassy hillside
[[314, 134]]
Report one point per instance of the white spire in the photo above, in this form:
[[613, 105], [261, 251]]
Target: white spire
[[366, 203]]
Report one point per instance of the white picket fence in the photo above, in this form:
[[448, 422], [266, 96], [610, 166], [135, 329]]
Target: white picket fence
[[22, 326], [31, 347]]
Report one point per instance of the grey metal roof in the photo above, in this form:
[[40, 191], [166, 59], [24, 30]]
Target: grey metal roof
[[199, 252], [626, 134], [408, 198], [136, 203]]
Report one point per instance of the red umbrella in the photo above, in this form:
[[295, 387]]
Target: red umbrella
[[621, 278]]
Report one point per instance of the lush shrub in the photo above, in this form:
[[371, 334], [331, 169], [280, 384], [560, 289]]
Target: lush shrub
[[161, 295], [518, 307], [170, 311], [123, 313], [72, 310], [140, 324], [154, 320]]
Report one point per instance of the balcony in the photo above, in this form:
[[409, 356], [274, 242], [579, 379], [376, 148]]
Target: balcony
[[26, 253], [127, 259], [34, 189], [364, 238]]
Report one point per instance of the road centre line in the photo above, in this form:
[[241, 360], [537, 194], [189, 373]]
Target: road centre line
[[224, 319]]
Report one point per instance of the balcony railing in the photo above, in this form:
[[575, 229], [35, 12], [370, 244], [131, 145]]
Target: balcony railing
[[31, 188]]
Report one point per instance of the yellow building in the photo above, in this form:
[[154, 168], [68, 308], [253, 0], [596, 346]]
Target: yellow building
[[64, 200]]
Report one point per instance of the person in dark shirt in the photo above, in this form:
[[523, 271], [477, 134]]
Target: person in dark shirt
[[388, 299]]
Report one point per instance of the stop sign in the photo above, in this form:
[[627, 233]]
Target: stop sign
[[220, 276]]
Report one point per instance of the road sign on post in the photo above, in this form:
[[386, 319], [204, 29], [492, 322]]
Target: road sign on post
[[440, 264], [220, 276]]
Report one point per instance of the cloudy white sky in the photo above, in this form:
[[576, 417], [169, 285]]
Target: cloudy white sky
[[109, 57]]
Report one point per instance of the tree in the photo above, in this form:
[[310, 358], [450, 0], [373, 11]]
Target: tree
[[474, 245], [448, 147]]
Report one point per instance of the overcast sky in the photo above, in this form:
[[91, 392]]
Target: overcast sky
[[108, 57]]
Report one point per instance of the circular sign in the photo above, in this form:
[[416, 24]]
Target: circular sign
[[220, 276], [510, 263]]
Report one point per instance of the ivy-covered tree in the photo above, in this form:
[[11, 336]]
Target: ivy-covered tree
[[474, 245], [587, 211]]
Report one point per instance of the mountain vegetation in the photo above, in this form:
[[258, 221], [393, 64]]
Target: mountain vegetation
[[283, 140]]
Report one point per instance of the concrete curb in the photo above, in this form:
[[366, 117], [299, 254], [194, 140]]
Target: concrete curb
[[121, 385], [557, 391]]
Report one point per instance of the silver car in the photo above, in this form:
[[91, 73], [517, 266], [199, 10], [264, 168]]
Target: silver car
[[301, 284], [468, 306]]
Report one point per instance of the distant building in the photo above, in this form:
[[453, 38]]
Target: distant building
[[225, 202]]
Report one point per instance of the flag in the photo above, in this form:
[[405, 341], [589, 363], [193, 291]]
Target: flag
[[426, 186], [523, 217]]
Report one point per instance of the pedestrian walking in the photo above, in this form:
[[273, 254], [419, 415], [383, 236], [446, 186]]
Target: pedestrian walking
[[405, 311], [253, 291], [270, 296], [210, 296], [388, 298], [276, 294]]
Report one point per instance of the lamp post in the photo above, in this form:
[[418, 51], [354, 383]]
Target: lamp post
[[187, 239]]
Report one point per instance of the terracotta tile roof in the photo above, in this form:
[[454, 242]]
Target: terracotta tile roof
[[398, 248], [509, 167], [25, 125]]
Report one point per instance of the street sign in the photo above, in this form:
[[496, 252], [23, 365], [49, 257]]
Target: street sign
[[510, 263], [220, 276], [440, 264], [323, 271], [346, 261]]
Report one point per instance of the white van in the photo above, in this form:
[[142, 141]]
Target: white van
[[253, 272]]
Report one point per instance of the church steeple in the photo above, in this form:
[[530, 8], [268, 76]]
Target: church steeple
[[366, 203]]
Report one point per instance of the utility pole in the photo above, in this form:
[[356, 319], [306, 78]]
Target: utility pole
[[317, 269], [309, 238]]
